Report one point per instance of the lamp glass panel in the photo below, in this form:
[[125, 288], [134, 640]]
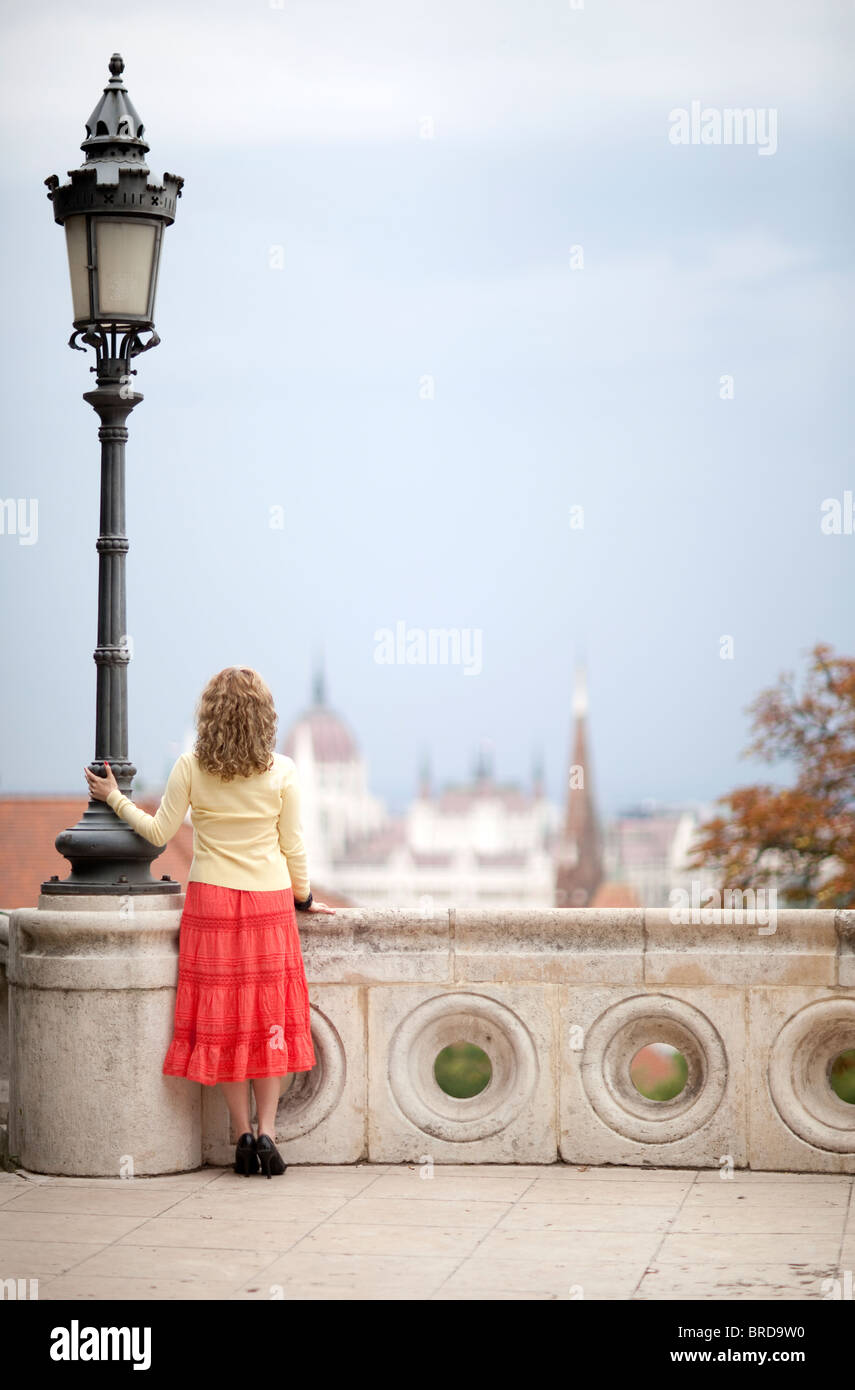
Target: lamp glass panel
[[78, 261], [125, 259]]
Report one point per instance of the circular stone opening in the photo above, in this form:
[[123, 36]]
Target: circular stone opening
[[659, 1071], [462, 1070], [841, 1075]]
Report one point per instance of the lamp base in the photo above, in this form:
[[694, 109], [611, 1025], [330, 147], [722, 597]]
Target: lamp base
[[107, 856]]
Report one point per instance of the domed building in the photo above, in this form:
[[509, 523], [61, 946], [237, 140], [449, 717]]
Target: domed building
[[480, 843], [337, 808]]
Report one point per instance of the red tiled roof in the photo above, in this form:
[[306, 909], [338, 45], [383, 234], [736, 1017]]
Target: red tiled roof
[[615, 895]]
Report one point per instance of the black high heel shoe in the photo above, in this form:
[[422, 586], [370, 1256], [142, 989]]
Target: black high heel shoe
[[246, 1158], [271, 1160]]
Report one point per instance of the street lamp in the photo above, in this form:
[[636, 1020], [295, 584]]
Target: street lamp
[[114, 220]]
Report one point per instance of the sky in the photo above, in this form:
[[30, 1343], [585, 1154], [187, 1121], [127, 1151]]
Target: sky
[[455, 336]]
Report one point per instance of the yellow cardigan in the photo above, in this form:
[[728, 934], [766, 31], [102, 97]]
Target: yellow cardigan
[[246, 833]]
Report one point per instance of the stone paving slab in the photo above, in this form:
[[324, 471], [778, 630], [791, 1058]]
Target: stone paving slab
[[583, 1216], [564, 1279], [732, 1250], [389, 1232], [310, 1272], [403, 1211], [392, 1239], [280, 1205], [764, 1220], [617, 1194], [228, 1233], [32, 1259], [185, 1265], [767, 1283], [703, 1196], [161, 1289], [92, 1201], [182, 1181], [582, 1247], [53, 1226], [449, 1188], [743, 1177]]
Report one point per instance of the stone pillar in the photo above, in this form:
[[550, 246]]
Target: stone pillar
[[92, 996]]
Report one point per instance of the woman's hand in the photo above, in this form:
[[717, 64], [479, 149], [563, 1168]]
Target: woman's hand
[[100, 787], [320, 907]]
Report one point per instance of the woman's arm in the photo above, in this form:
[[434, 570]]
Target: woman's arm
[[291, 838], [291, 845], [160, 827]]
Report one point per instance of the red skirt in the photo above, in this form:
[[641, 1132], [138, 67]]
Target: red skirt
[[242, 1007]]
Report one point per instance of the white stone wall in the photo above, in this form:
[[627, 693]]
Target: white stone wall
[[560, 1001]]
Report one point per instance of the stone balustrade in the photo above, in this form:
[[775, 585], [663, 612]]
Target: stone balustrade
[[560, 1001]]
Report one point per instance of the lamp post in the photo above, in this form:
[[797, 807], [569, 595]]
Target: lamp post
[[114, 221]]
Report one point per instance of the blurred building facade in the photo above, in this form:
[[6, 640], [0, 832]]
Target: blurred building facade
[[647, 848], [336, 805], [483, 842]]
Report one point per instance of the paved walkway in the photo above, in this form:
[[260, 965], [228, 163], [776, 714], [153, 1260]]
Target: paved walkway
[[468, 1232]]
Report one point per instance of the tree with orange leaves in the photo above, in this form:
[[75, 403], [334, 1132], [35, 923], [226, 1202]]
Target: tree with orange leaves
[[798, 839]]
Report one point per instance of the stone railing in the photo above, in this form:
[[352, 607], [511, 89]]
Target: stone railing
[[560, 1001]]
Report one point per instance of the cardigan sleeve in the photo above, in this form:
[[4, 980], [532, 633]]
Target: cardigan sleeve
[[291, 837], [160, 827]]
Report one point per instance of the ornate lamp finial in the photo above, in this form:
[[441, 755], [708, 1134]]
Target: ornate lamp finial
[[114, 131]]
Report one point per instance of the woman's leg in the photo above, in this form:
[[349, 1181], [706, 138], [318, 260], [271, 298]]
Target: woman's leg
[[267, 1089], [237, 1099]]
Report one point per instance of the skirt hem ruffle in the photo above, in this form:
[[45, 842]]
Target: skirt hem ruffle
[[244, 1076]]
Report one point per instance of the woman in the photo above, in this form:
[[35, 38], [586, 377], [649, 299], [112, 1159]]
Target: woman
[[242, 1006]]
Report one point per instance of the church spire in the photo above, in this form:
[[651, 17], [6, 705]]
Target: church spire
[[580, 854], [319, 684], [425, 780], [580, 694], [538, 786], [483, 771]]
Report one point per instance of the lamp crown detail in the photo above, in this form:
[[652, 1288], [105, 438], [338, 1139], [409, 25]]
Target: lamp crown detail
[[115, 122], [113, 177]]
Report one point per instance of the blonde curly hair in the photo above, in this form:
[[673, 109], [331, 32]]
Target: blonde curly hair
[[235, 724]]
